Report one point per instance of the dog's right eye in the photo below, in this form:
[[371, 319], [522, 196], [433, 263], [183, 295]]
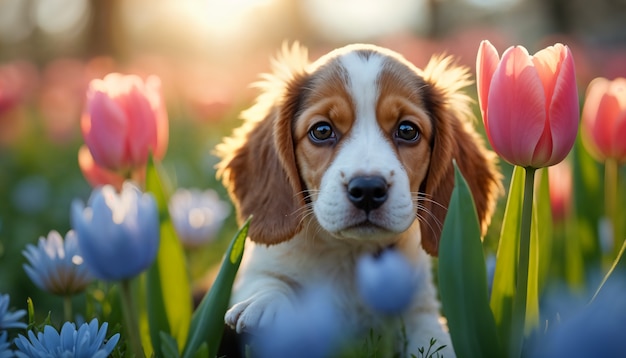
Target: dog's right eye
[[322, 132]]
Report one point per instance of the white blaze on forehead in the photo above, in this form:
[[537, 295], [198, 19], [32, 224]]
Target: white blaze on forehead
[[367, 142], [363, 71]]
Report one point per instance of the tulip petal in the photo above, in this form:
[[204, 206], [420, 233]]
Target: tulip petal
[[595, 143], [96, 175], [517, 108], [563, 112], [141, 138], [548, 64], [104, 127], [155, 96], [604, 129], [486, 64], [618, 142]]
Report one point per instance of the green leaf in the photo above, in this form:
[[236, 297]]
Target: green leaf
[[505, 276], [168, 291], [169, 347], [588, 188], [207, 323], [203, 351], [463, 278]]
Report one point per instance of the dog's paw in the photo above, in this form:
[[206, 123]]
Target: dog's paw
[[256, 312]]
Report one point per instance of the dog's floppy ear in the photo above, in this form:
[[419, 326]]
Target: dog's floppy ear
[[258, 164], [454, 139]]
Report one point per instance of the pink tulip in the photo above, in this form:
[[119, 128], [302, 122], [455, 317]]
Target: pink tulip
[[561, 184], [604, 119], [124, 121], [529, 103]]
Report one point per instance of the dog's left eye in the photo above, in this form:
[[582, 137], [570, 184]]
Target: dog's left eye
[[407, 131]]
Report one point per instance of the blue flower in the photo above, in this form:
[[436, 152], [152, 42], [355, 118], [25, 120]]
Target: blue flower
[[588, 329], [311, 328], [197, 215], [10, 319], [86, 342], [56, 266], [5, 346], [386, 282], [118, 234]]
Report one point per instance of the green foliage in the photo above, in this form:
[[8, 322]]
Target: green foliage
[[505, 276], [207, 322], [32, 324], [462, 278], [168, 288], [385, 345]]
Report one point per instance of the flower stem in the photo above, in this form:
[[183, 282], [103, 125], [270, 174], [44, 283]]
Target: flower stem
[[130, 316], [610, 203], [67, 308], [519, 302]]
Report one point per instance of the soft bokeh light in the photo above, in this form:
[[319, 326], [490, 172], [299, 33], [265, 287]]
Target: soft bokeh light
[[353, 20], [491, 4], [62, 17]]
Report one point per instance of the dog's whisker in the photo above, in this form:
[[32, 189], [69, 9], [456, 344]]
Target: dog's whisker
[[307, 193], [431, 215], [423, 220], [420, 196]]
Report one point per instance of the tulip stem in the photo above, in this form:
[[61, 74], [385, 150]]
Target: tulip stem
[[130, 316], [610, 203], [519, 302]]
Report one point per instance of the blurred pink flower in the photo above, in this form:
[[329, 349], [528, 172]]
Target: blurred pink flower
[[124, 121], [17, 80], [529, 103], [63, 85], [560, 183], [604, 119]]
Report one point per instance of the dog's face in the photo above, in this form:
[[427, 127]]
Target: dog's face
[[362, 143], [362, 140]]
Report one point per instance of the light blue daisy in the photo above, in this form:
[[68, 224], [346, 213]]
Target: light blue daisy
[[10, 319], [86, 342], [5, 346], [197, 215], [56, 266]]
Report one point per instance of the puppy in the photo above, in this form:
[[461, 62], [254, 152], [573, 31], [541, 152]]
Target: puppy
[[348, 156]]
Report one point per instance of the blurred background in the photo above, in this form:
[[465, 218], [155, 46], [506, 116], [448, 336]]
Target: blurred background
[[207, 52]]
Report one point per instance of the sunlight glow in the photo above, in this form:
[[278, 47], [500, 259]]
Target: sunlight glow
[[363, 19], [222, 19]]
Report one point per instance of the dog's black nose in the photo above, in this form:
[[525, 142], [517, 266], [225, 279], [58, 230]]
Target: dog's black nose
[[367, 192]]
